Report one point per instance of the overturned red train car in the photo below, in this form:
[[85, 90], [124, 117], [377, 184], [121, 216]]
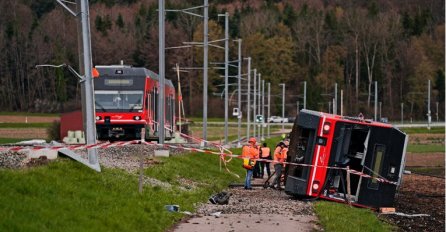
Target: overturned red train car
[[126, 101], [324, 145]]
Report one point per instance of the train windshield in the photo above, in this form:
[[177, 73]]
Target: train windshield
[[121, 101]]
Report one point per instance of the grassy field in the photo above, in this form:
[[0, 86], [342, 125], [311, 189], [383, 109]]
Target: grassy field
[[341, 217], [425, 148], [67, 196], [424, 130], [25, 125], [10, 140]]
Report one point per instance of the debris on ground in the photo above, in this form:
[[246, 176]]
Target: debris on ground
[[220, 198]]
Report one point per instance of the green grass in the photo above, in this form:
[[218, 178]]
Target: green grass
[[340, 217], [10, 140], [424, 130], [67, 196], [29, 114], [425, 148], [26, 125]]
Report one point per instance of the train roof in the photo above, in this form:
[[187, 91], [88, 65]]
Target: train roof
[[128, 70], [347, 118]]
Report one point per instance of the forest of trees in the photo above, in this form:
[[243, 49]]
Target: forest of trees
[[400, 44]]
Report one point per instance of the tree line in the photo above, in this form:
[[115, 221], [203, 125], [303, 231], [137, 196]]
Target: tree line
[[399, 44]]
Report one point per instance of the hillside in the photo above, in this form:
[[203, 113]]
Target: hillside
[[400, 44]]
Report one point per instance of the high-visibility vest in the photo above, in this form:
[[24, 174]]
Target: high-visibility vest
[[249, 154], [265, 152], [280, 154]]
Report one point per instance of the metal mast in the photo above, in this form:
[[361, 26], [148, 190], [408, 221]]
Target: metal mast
[[205, 68], [161, 75], [90, 125], [239, 121], [254, 102], [226, 74], [248, 109]]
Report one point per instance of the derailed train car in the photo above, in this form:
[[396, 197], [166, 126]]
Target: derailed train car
[[323, 146]]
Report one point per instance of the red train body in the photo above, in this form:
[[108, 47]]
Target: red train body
[[126, 101], [321, 140]]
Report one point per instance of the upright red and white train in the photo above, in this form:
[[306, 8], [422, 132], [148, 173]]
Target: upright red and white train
[[126, 101], [323, 145]]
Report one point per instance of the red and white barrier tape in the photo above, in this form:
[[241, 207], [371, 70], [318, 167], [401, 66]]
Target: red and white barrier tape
[[192, 149]]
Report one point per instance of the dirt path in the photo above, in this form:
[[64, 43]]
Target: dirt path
[[253, 210]]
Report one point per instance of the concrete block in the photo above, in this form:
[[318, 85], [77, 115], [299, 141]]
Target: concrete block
[[161, 153], [50, 154]]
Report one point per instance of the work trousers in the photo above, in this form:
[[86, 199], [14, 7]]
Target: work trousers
[[248, 179], [263, 165], [256, 173], [278, 169]]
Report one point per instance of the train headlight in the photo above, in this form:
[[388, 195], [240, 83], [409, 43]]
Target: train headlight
[[98, 118], [315, 186], [326, 128], [137, 117]]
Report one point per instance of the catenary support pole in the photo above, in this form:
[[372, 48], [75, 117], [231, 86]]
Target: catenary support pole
[[90, 124], [161, 74], [259, 111], [248, 108], [269, 107], [239, 80], [429, 105], [205, 68], [226, 74], [254, 103], [263, 110], [283, 106]]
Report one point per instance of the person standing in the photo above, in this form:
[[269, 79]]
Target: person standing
[[265, 153], [250, 153], [278, 164]]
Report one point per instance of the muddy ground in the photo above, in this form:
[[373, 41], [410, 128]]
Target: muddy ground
[[420, 195]]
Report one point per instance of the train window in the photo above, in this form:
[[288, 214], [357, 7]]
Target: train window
[[114, 100], [378, 156]]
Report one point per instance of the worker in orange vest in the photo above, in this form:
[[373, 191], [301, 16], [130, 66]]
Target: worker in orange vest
[[265, 153], [279, 158], [250, 153]]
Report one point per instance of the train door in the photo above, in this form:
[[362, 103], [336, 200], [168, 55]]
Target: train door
[[172, 112], [167, 110], [155, 110]]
